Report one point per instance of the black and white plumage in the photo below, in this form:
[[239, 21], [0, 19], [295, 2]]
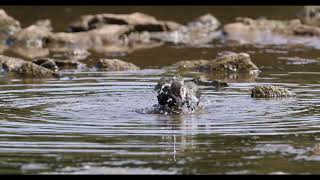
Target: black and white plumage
[[175, 93]]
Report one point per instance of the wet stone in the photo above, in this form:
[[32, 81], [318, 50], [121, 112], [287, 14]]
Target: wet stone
[[233, 63], [228, 63], [115, 65], [270, 92], [24, 68]]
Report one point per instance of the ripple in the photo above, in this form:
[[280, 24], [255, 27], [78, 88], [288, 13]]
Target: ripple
[[113, 115], [109, 105]]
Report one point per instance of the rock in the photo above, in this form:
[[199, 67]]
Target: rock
[[228, 63], [45, 24], [198, 32], [106, 39], [24, 68], [189, 64], [232, 63], [31, 41], [264, 31], [118, 34], [115, 65], [114, 34], [310, 15], [47, 63], [203, 81], [138, 21], [174, 93], [203, 30], [9, 27], [270, 92]]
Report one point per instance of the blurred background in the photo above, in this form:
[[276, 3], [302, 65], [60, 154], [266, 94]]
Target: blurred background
[[61, 16]]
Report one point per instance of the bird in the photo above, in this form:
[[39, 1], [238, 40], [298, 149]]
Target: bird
[[175, 93]]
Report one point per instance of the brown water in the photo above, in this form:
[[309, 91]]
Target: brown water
[[97, 123]]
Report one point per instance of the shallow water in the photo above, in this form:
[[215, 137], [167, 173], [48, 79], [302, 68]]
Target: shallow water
[[96, 122]]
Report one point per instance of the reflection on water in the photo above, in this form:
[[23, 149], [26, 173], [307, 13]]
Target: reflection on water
[[91, 122]]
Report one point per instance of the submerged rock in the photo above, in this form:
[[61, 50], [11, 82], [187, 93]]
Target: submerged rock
[[138, 21], [31, 41], [227, 63], [174, 93], [24, 68], [232, 63], [270, 92], [203, 81], [8, 27], [115, 65], [264, 31]]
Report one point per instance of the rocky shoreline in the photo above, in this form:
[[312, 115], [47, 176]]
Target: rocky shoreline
[[41, 52]]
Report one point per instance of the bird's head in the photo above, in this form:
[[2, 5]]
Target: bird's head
[[178, 92]]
